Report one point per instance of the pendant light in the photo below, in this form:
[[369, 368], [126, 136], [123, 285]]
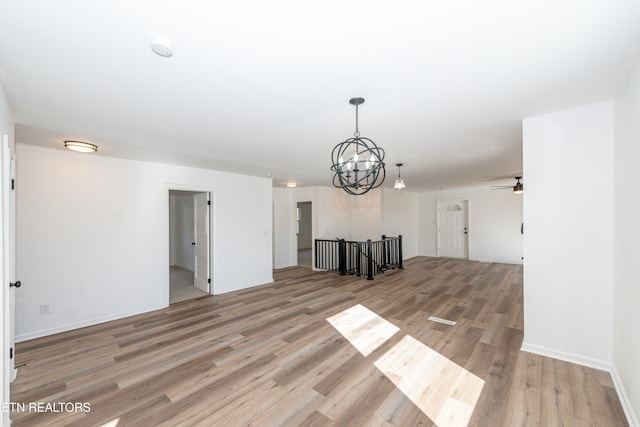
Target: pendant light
[[399, 185]]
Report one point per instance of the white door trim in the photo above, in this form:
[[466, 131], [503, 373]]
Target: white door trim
[[294, 235], [202, 248], [213, 220], [308, 230], [7, 269]]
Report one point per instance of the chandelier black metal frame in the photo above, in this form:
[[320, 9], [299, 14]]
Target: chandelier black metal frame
[[358, 162]]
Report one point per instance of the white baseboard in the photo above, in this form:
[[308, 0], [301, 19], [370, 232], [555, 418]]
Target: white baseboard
[[603, 365], [83, 323], [632, 419]]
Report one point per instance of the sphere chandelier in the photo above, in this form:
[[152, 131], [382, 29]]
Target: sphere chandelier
[[358, 162]]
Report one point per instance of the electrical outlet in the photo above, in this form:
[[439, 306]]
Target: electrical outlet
[[44, 309]]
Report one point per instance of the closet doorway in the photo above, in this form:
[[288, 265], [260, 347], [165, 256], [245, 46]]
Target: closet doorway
[[189, 245], [304, 234]]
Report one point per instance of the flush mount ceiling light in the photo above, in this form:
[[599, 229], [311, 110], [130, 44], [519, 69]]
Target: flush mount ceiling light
[[357, 162], [399, 185], [291, 184], [161, 48], [81, 147]]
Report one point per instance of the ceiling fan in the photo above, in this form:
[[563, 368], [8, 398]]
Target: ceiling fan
[[517, 189]]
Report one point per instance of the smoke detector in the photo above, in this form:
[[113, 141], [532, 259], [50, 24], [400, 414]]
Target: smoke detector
[[161, 48]]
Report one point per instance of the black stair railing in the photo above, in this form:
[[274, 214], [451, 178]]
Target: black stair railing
[[366, 259]]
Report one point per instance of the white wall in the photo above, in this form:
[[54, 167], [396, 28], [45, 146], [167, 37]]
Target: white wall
[[285, 201], [363, 212], [330, 218], [283, 224], [494, 216], [331, 215], [568, 244], [400, 217], [93, 235], [626, 290], [336, 214], [494, 223]]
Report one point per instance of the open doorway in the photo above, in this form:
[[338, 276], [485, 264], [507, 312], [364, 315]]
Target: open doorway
[[189, 245], [304, 233]]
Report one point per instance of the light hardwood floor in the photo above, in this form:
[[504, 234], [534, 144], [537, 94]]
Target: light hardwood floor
[[268, 356]]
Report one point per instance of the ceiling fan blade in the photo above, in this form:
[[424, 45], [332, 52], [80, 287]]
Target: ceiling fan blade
[[500, 178], [518, 188]]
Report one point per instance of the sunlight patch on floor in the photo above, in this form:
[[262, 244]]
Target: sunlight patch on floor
[[364, 329], [444, 391]]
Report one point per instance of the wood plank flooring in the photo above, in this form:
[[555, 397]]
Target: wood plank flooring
[[268, 356]]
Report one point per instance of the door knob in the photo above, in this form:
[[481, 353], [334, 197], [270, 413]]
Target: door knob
[[16, 284]]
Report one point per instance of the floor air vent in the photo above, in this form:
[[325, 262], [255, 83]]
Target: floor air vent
[[439, 320]]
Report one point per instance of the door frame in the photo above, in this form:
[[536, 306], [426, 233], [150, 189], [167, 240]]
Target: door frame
[[309, 227], [466, 205], [294, 235], [7, 266], [207, 224], [213, 217]]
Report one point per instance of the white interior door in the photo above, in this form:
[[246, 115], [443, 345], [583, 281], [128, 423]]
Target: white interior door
[[452, 228], [201, 276], [8, 258]]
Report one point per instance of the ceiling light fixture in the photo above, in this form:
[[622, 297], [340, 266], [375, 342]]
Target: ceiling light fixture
[[357, 162], [81, 147], [399, 185], [291, 184], [161, 48], [518, 188]]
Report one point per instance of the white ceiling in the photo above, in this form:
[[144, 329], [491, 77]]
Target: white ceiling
[[262, 87]]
